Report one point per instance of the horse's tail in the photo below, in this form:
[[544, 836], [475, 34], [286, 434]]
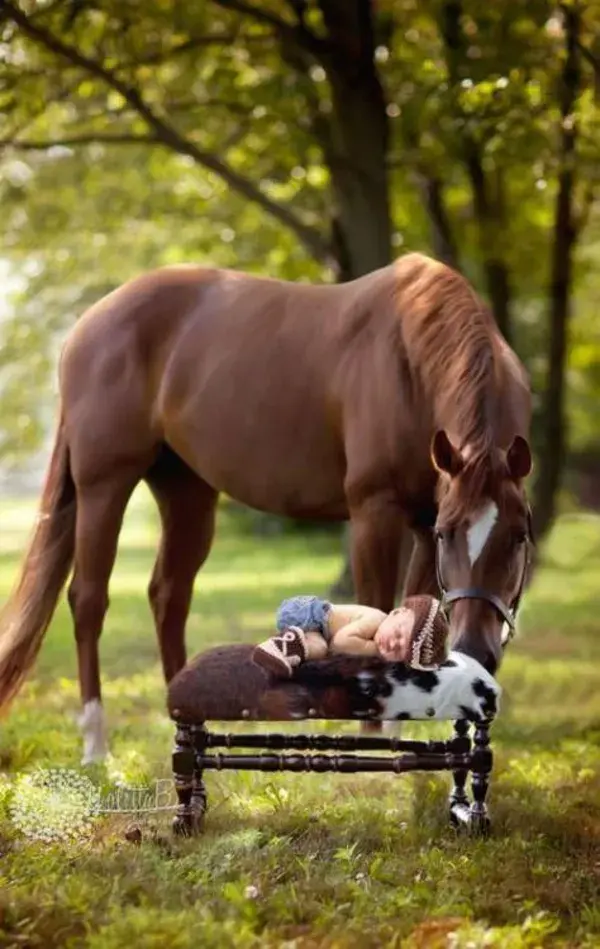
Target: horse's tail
[[27, 614]]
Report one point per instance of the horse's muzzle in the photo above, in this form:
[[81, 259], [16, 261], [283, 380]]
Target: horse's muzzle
[[482, 647]]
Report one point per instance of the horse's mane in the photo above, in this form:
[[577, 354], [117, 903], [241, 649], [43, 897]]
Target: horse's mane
[[451, 341]]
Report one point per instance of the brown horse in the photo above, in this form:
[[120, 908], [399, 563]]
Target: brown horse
[[311, 401]]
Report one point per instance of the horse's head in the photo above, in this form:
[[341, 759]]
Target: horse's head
[[483, 535]]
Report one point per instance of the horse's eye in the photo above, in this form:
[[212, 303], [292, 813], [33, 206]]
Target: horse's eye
[[520, 536]]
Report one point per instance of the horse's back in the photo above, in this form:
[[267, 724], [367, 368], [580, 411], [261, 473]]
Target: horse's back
[[232, 371], [159, 301]]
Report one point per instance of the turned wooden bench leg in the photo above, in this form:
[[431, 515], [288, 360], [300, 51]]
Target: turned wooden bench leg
[[459, 755], [465, 815], [459, 799], [189, 786], [479, 821], [199, 796]]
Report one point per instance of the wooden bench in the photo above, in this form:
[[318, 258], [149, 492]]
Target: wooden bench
[[223, 684]]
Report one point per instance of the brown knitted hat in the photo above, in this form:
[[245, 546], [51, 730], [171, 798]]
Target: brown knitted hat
[[427, 643]]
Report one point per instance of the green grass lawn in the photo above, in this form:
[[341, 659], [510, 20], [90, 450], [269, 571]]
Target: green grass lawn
[[310, 861]]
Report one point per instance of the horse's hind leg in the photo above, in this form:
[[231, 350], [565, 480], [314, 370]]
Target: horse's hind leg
[[100, 509], [187, 510]]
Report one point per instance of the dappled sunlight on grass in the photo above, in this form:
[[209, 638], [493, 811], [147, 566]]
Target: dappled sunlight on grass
[[331, 861]]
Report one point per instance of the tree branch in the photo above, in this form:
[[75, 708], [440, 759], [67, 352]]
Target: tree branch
[[31, 119], [261, 16], [167, 134], [299, 35], [192, 104], [589, 56], [46, 9], [589, 199], [194, 42], [71, 142]]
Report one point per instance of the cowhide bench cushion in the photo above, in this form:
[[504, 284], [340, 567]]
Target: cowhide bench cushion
[[223, 684]]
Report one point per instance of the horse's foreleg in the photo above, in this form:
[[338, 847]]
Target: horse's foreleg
[[422, 576], [100, 509], [375, 541], [187, 509], [376, 529]]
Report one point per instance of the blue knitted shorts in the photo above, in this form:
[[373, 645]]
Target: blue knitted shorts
[[307, 612]]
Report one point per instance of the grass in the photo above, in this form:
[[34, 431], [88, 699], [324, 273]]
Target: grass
[[315, 862]]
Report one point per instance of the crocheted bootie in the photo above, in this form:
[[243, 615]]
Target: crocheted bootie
[[281, 654]]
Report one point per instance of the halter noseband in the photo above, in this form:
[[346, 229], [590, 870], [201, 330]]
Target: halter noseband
[[507, 613]]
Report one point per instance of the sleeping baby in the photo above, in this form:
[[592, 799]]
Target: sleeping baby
[[309, 627]]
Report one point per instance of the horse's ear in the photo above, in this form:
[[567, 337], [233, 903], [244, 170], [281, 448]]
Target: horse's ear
[[444, 455], [518, 458]]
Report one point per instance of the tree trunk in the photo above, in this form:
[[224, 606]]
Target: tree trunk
[[356, 151], [488, 214], [442, 239], [553, 443], [356, 148]]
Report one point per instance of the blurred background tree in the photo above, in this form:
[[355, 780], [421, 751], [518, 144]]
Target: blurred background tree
[[311, 140]]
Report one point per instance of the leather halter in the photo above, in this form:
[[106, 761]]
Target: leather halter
[[508, 613]]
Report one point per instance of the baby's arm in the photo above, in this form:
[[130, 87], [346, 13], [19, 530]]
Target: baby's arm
[[357, 638]]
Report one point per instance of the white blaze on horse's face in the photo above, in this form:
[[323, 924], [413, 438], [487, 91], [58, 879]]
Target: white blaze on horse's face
[[480, 531]]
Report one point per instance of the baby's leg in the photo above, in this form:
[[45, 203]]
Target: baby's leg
[[316, 646], [282, 653]]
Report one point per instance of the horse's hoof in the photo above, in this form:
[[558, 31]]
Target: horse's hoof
[[95, 755]]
